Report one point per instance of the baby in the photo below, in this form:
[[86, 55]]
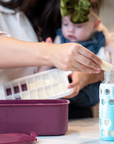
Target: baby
[[80, 23]]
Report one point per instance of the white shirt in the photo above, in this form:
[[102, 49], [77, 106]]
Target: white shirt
[[16, 25]]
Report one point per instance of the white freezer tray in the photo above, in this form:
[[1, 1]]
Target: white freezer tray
[[51, 84]]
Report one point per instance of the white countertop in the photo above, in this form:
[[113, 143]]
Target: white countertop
[[84, 131]]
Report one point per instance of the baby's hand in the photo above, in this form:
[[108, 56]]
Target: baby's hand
[[49, 40]]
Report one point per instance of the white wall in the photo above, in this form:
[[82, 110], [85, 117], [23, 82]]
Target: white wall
[[107, 14]]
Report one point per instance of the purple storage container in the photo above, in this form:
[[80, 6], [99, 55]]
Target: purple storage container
[[18, 138], [44, 117]]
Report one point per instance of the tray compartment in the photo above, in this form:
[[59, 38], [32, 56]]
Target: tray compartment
[[31, 84], [57, 89], [38, 81], [25, 95], [33, 94]]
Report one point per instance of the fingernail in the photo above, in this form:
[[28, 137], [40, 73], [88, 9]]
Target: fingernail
[[101, 62], [97, 71], [98, 68], [69, 86]]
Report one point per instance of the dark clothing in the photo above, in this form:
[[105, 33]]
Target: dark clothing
[[80, 105], [89, 96]]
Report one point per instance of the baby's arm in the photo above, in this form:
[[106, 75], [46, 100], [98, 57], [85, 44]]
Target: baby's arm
[[109, 42], [110, 48]]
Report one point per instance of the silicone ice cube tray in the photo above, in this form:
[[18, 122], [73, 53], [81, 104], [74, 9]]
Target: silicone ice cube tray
[[51, 84]]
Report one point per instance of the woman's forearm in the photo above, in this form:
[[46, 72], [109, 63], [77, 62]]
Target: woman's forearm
[[16, 53], [69, 56]]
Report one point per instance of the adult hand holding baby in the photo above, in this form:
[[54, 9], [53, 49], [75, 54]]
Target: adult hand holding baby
[[81, 80]]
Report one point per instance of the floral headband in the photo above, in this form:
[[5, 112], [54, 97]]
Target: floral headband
[[78, 8]]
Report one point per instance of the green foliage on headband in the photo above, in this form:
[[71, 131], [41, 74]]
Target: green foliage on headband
[[79, 10]]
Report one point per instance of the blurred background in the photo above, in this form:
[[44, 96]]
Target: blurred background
[[107, 14]]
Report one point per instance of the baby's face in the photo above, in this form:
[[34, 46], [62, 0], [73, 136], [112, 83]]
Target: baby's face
[[77, 32]]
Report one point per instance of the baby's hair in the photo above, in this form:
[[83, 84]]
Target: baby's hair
[[95, 6]]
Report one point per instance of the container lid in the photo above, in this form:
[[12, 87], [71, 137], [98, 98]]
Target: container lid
[[18, 138]]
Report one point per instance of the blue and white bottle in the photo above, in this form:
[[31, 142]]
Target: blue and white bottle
[[106, 107]]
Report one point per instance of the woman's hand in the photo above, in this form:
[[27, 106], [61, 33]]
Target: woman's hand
[[80, 80], [16, 53], [74, 57]]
